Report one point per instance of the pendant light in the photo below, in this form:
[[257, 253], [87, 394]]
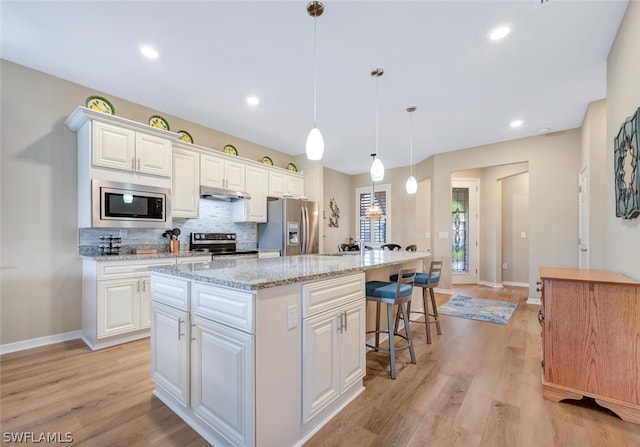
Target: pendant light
[[315, 142], [412, 185], [373, 211], [377, 168]]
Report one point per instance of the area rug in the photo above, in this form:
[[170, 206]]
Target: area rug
[[482, 309]]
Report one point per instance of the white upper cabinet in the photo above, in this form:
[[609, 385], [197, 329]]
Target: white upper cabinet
[[128, 150], [185, 188], [219, 171], [285, 183], [255, 209]]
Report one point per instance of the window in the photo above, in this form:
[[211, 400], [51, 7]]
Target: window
[[374, 232], [460, 230]]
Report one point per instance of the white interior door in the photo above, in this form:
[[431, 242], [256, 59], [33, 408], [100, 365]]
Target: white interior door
[[464, 231], [583, 221]]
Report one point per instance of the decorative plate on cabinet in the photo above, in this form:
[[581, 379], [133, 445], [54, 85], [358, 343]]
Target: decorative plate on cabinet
[[228, 149], [158, 122], [100, 104], [292, 167], [267, 160], [185, 136]]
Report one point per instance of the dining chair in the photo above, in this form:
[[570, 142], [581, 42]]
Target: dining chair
[[390, 247]]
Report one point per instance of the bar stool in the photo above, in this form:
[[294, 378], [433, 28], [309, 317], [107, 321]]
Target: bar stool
[[390, 247], [428, 281], [393, 294], [412, 247]]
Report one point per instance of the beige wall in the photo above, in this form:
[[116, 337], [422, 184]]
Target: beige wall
[[338, 186], [623, 99], [594, 159], [40, 271], [553, 162], [515, 221]]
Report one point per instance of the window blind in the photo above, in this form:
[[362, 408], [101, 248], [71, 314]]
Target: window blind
[[374, 231]]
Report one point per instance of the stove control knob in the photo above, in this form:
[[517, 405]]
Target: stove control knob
[[233, 236]]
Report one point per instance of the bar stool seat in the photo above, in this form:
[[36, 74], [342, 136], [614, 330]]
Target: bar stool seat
[[427, 281], [393, 294]]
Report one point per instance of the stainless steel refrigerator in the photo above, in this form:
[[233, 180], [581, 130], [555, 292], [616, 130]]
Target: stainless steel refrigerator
[[292, 227]]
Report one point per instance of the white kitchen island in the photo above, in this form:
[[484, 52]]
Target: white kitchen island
[[263, 352]]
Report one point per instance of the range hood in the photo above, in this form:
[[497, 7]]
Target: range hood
[[209, 192]]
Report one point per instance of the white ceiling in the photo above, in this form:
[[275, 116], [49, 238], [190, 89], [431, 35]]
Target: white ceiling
[[435, 55]]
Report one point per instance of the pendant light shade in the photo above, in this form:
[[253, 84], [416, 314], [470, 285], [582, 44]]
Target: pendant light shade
[[377, 168], [412, 184], [315, 142], [373, 211]]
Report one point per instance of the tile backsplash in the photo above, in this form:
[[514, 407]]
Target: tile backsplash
[[214, 217]]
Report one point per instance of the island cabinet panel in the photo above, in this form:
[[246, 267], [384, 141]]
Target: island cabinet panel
[[333, 340], [170, 350], [591, 331], [222, 380]]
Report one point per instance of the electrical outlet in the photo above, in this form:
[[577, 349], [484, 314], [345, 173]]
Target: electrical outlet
[[505, 265], [292, 316]]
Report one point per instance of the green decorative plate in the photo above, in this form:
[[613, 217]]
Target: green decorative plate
[[228, 149], [292, 167], [267, 160], [158, 122], [185, 136], [100, 104]]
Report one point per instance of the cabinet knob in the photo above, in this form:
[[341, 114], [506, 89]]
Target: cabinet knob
[[538, 289], [538, 282]]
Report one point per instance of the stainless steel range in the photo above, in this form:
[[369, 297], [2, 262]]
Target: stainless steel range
[[219, 245]]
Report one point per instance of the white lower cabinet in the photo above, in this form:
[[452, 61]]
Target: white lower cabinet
[[334, 359], [222, 379], [170, 350], [118, 306], [116, 299], [241, 371], [333, 340]]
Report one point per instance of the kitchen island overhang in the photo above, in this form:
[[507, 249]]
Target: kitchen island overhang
[[262, 352]]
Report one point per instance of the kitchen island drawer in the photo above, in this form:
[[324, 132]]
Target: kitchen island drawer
[[129, 269], [171, 291], [330, 293], [230, 307]]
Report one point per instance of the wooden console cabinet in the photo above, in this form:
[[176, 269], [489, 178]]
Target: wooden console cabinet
[[591, 338]]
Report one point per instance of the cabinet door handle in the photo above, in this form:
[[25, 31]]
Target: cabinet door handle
[[540, 317], [138, 284], [133, 163], [180, 321], [144, 285], [192, 337], [138, 164], [345, 321]]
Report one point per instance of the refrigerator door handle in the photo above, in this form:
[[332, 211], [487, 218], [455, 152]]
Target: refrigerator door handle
[[304, 229], [303, 248], [307, 231]]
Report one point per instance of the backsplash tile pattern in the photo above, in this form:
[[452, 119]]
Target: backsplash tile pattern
[[215, 217]]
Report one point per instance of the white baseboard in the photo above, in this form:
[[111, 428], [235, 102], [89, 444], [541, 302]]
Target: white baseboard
[[495, 285], [515, 284], [445, 291], [40, 341], [532, 300]]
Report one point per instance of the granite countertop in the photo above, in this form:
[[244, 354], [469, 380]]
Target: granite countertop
[[130, 256], [253, 274]]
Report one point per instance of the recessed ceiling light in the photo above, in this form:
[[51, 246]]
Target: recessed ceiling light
[[252, 100], [149, 52], [499, 33], [544, 130], [516, 123]]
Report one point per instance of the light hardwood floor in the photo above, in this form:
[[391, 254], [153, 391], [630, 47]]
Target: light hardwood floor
[[478, 384]]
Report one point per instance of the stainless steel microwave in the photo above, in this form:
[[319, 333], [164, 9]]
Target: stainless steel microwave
[[125, 205]]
